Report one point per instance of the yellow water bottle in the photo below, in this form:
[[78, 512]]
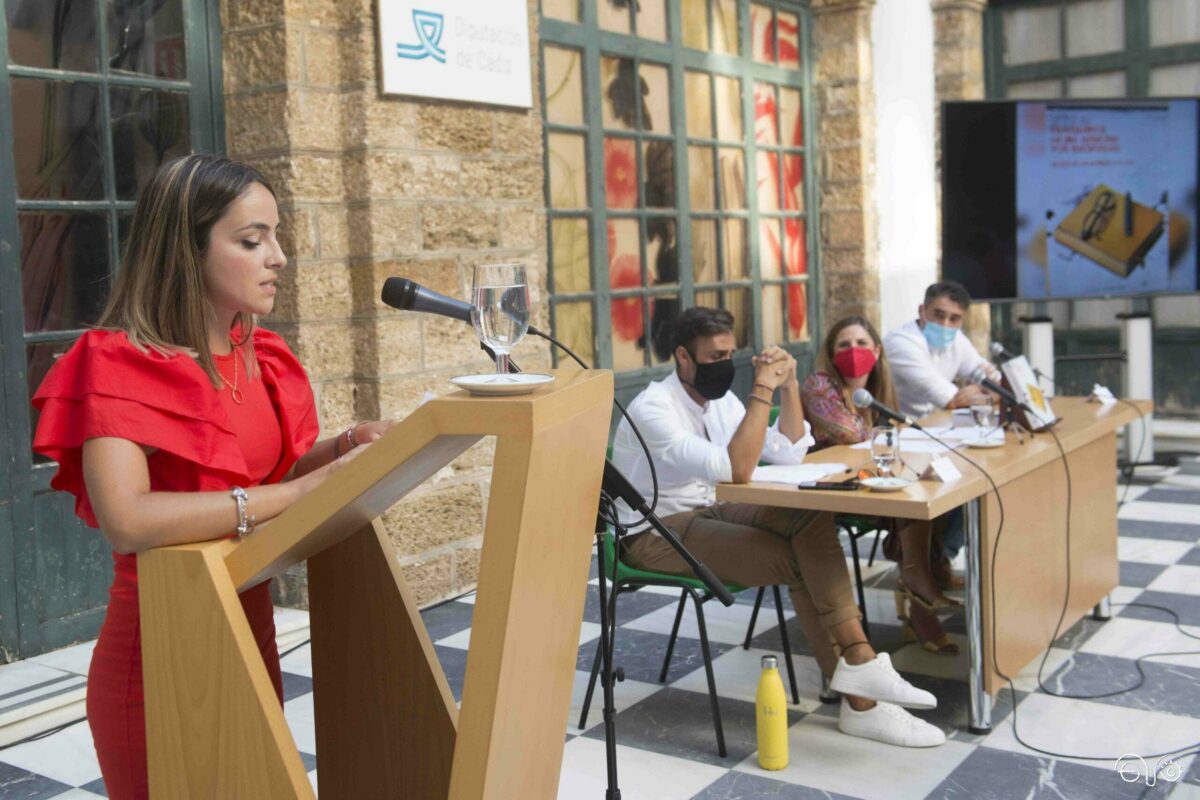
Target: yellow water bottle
[[770, 707]]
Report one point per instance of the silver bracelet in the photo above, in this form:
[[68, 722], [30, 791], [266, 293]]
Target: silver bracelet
[[245, 521]]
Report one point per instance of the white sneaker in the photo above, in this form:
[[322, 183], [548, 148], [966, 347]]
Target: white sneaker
[[878, 680], [889, 724]]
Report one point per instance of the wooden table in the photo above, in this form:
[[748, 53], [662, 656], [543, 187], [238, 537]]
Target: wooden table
[[1016, 578]]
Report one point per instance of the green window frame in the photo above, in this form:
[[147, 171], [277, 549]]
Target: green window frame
[[1136, 59], [704, 233]]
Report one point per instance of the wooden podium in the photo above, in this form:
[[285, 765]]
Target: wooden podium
[[386, 723]]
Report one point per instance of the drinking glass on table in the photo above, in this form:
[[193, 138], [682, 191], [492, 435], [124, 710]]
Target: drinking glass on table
[[500, 309], [984, 416], [885, 449]]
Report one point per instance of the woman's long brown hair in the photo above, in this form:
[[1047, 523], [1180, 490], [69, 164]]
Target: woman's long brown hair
[[159, 298], [879, 382]]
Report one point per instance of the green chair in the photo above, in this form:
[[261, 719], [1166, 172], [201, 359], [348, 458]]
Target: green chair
[[625, 578]]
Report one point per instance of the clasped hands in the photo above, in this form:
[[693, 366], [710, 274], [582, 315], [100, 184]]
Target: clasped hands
[[774, 367]]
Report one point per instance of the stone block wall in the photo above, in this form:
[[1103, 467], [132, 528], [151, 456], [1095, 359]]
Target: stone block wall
[[369, 187]]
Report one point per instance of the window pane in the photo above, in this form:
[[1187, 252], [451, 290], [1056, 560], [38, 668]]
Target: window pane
[[620, 173], [793, 183], [56, 140], [569, 256], [1095, 26], [656, 114], [794, 253], [1048, 89], [737, 302], [613, 15], [663, 312], [1105, 84], [797, 313], [791, 117], [58, 35], [658, 160], [573, 327], [1031, 34], [766, 121], [770, 249], [568, 185], [561, 9], [734, 250], [789, 40], [768, 181], [698, 94], [704, 251], [733, 178], [64, 269], [661, 253], [651, 19], [564, 86], [762, 34], [695, 24], [710, 299], [772, 314], [701, 178], [148, 128], [1178, 79], [725, 27], [729, 109], [624, 254], [628, 329], [622, 91], [147, 38], [1174, 22]]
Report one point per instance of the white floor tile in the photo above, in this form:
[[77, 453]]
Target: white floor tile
[[1181, 578], [1122, 637], [1179, 481], [914, 658], [1151, 551], [1183, 513], [737, 673], [68, 756], [1131, 493], [469, 599], [1185, 791], [1026, 679], [299, 662], [725, 625], [1123, 594], [76, 658], [627, 693], [462, 639], [301, 720], [1085, 728], [881, 606], [21, 675], [77, 794], [822, 757], [643, 775]]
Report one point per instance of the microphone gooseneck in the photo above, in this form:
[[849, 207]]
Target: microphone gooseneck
[[863, 399], [408, 295], [979, 376]]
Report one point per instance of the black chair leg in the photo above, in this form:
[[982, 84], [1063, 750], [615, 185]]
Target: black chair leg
[[858, 581], [662, 676], [708, 671], [591, 688], [787, 646], [753, 618], [875, 546]]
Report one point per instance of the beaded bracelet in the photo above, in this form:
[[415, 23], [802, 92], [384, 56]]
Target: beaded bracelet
[[759, 399]]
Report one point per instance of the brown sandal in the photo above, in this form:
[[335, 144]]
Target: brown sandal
[[940, 605]]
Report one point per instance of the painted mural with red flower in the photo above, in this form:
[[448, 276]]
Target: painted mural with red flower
[[620, 173]]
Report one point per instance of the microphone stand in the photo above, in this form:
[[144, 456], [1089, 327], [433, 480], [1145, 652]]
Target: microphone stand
[[614, 486]]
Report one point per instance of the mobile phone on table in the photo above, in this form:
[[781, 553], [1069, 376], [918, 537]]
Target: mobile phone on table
[[845, 486]]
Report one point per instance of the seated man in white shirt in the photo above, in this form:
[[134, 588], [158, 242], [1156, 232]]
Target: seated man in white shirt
[[930, 353], [700, 434]]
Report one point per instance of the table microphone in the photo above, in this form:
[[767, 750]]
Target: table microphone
[[999, 352], [408, 295], [980, 377], [863, 399]]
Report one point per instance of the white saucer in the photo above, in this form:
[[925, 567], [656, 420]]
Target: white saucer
[[886, 484], [984, 444], [494, 384]]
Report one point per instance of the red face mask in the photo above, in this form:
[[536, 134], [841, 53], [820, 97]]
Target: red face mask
[[854, 362]]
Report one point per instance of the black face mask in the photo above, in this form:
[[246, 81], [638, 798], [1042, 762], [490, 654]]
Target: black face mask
[[713, 380]]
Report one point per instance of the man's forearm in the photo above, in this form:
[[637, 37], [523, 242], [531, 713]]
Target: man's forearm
[[746, 446], [791, 412]]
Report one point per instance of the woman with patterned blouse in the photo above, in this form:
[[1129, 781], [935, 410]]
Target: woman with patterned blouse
[[852, 358]]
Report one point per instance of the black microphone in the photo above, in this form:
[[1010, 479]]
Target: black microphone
[[980, 377], [863, 399], [999, 352], [411, 296]]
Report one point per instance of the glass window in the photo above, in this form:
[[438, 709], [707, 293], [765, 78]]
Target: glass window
[[1179, 79], [1174, 22], [1094, 27], [1031, 34]]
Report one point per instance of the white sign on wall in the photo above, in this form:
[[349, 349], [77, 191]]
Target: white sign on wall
[[470, 50]]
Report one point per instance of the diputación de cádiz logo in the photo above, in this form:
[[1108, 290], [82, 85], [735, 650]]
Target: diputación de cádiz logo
[[429, 26]]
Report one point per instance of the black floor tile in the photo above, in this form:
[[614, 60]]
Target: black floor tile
[[747, 786], [20, 784], [1175, 531], [990, 774], [640, 654]]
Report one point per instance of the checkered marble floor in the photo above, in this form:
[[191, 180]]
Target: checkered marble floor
[[667, 748]]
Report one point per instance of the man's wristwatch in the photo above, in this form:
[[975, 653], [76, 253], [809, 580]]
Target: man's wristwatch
[[245, 525]]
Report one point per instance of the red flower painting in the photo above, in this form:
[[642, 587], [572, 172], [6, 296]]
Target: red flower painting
[[620, 173], [624, 272]]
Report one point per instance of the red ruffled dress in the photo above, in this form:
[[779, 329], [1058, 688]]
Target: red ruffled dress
[[203, 442]]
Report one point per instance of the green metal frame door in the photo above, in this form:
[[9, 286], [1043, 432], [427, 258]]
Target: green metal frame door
[[94, 95]]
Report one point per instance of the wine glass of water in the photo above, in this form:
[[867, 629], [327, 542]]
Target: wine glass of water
[[885, 449], [983, 415], [500, 309]]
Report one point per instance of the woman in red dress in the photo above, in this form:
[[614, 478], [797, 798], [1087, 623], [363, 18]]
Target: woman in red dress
[[179, 420]]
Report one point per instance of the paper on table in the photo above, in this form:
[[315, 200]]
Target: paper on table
[[795, 473]]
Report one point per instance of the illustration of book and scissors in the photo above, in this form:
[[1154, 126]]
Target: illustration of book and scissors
[[1111, 229]]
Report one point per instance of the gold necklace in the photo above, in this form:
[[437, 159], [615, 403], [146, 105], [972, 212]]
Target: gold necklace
[[233, 389]]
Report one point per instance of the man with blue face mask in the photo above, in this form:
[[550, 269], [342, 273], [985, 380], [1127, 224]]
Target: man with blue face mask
[[930, 353]]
